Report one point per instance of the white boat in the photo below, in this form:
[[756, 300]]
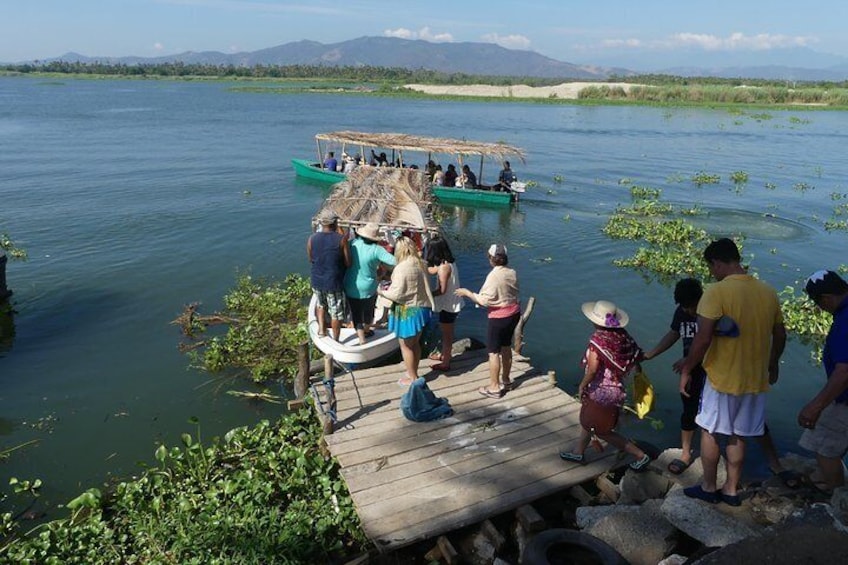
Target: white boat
[[347, 350]]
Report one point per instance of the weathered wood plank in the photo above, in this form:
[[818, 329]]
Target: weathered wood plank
[[412, 481]]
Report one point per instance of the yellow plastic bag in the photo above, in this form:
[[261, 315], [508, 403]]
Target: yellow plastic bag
[[643, 394]]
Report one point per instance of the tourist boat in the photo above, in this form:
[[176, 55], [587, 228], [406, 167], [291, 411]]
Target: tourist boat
[[352, 144], [400, 201]]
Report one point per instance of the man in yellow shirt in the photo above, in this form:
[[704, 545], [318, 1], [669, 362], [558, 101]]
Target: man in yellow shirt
[[740, 365]]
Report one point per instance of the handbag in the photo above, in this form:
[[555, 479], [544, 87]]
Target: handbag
[[643, 394]]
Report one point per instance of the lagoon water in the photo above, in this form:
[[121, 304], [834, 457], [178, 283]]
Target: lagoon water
[[134, 198]]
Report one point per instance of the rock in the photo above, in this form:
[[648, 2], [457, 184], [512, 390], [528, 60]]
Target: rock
[[674, 559], [704, 521], [639, 487], [587, 516], [693, 475], [520, 537], [639, 533], [483, 549], [769, 509], [839, 503]]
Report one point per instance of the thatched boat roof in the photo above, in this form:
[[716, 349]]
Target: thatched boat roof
[[392, 197], [406, 142]]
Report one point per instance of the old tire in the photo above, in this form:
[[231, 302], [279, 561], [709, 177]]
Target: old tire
[[569, 546]]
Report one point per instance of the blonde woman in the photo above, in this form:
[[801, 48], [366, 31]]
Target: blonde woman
[[412, 305]]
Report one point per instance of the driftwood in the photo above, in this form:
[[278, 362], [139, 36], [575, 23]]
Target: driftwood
[[190, 320]]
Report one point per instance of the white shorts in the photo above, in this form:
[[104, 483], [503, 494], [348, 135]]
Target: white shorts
[[830, 436], [742, 415]]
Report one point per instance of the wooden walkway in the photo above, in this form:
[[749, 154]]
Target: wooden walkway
[[413, 481]]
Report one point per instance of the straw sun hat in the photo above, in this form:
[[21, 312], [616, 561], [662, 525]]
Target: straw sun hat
[[371, 231], [605, 314]]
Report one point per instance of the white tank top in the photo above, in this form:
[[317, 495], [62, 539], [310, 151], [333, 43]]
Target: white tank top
[[449, 302]]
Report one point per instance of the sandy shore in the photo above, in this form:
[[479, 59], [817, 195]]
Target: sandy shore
[[567, 91]]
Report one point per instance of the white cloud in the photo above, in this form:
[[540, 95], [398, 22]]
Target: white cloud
[[513, 41], [423, 33], [734, 42], [158, 46]]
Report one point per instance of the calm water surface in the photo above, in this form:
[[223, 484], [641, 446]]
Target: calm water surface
[[135, 198]]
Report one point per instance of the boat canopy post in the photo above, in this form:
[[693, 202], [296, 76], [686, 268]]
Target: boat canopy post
[[480, 174], [320, 159]]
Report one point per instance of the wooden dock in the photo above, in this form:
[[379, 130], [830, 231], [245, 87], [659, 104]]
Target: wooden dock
[[411, 481]]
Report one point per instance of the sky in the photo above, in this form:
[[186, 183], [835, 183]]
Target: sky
[[575, 31]]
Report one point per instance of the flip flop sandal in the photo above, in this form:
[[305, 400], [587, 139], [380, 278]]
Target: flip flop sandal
[[573, 457], [435, 357], [507, 386], [677, 466], [440, 367], [402, 382], [699, 493], [486, 392]]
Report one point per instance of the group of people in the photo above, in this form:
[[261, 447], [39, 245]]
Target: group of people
[[345, 278], [733, 337], [464, 178]]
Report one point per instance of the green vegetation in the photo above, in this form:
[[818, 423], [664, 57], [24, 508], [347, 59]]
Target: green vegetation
[[701, 178], [265, 320], [260, 495], [6, 244], [649, 89]]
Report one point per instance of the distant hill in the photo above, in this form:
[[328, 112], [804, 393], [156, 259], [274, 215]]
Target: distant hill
[[490, 59], [468, 57]]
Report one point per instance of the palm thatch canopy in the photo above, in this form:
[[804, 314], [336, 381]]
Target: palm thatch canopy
[[392, 197], [406, 142]]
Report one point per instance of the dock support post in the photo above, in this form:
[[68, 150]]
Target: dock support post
[[4, 292], [330, 385], [301, 378], [518, 334]]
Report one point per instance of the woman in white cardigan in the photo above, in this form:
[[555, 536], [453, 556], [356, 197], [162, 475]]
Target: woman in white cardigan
[[412, 305]]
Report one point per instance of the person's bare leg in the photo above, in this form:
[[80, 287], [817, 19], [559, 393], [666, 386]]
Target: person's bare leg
[[408, 353], [506, 365], [322, 321], [447, 344], [336, 327], [360, 333], [619, 441], [686, 437], [710, 454], [832, 471], [735, 454], [416, 350], [767, 444], [494, 372], [582, 442]]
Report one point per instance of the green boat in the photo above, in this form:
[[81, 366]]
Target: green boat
[[360, 143]]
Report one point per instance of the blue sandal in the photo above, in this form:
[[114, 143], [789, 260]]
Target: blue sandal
[[641, 463], [573, 457]]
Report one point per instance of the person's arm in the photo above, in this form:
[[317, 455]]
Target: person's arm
[[700, 345], [443, 271], [669, 339], [778, 343], [837, 383], [309, 248], [588, 372]]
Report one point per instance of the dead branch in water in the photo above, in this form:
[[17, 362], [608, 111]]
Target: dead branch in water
[[191, 323]]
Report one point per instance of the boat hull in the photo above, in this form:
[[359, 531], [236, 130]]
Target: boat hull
[[472, 196], [347, 350], [311, 170]]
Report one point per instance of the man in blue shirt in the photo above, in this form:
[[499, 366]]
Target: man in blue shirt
[[825, 417], [330, 162]]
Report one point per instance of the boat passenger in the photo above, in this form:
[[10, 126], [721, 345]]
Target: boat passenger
[[499, 294], [505, 178], [467, 179], [379, 160], [431, 169], [330, 162], [349, 163], [440, 262], [360, 281], [438, 176], [450, 176], [412, 305], [328, 252]]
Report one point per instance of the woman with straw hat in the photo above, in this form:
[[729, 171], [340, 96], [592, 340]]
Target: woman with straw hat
[[360, 281], [610, 357]]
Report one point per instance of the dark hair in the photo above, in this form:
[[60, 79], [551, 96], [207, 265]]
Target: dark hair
[[499, 260], [687, 292], [723, 250], [438, 252], [825, 282]]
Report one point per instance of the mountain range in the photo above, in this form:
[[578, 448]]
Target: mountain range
[[489, 59]]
